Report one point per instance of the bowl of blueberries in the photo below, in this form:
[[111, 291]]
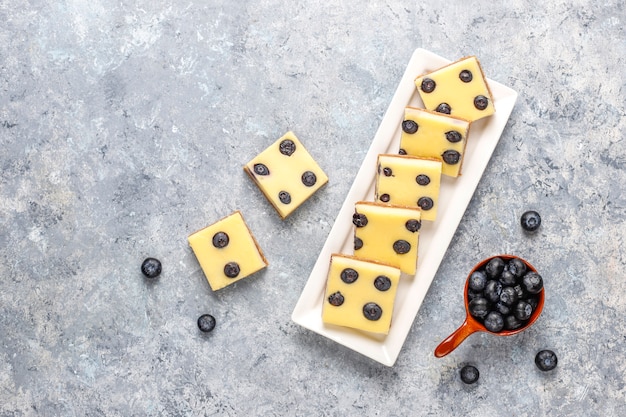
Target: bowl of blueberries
[[503, 294]]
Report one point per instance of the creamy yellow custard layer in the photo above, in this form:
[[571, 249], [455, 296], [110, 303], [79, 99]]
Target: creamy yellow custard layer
[[227, 251], [459, 89], [360, 294], [409, 181], [387, 234], [429, 134], [286, 174]]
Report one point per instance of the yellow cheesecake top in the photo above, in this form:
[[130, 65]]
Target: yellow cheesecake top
[[387, 233], [286, 174], [360, 294], [409, 181], [458, 89], [429, 134], [227, 251]]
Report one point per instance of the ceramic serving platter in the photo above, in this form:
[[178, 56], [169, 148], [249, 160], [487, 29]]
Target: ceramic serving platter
[[455, 195]]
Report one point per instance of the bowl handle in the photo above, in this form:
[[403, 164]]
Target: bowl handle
[[454, 340]]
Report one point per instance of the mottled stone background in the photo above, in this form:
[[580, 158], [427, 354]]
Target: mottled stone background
[[124, 127]]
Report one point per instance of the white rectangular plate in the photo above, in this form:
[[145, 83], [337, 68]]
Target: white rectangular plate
[[455, 195]]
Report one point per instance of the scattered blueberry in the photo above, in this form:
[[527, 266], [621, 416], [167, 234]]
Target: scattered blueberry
[[358, 243], [466, 76], [530, 220], [546, 360], [220, 240], [309, 179], [385, 198], [428, 85], [287, 147], [336, 299], [401, 152], [151, 267], [387, 172], [206, 323], [372, 311], [409, 126], [469, 374]]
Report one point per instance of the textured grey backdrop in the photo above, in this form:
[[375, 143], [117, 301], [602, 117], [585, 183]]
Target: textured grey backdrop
[[124, 127]]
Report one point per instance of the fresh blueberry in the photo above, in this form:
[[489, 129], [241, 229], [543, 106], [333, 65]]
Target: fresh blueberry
[[385, 198], [471, 294], [502, 308], [409, 126], [358, 243], [231, 269], [469, 374], [517, 267], [479, 307], [451, 157], [477, 281], [387, 172], [382, 283], [508, 296], [512, 323], [521, 292], [507, 278], [220, 240], [401, 152], [349, 275], [336, 299], [372, 311], [287, 147], [494, 322], [522, 310], [546, 360], [532, 282], [493, 289], [151, 267], [494, 267], [530, 220], [206, 323], [401, 246]]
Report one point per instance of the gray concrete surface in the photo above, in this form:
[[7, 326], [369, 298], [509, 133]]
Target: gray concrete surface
[[124, 127]]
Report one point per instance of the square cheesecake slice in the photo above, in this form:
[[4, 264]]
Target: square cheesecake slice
[[227, 251], [409, 181], [360, 294], [286, 174], [387, 233]]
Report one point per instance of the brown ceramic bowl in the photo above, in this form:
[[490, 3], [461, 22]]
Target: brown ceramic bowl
[[472, 325]]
